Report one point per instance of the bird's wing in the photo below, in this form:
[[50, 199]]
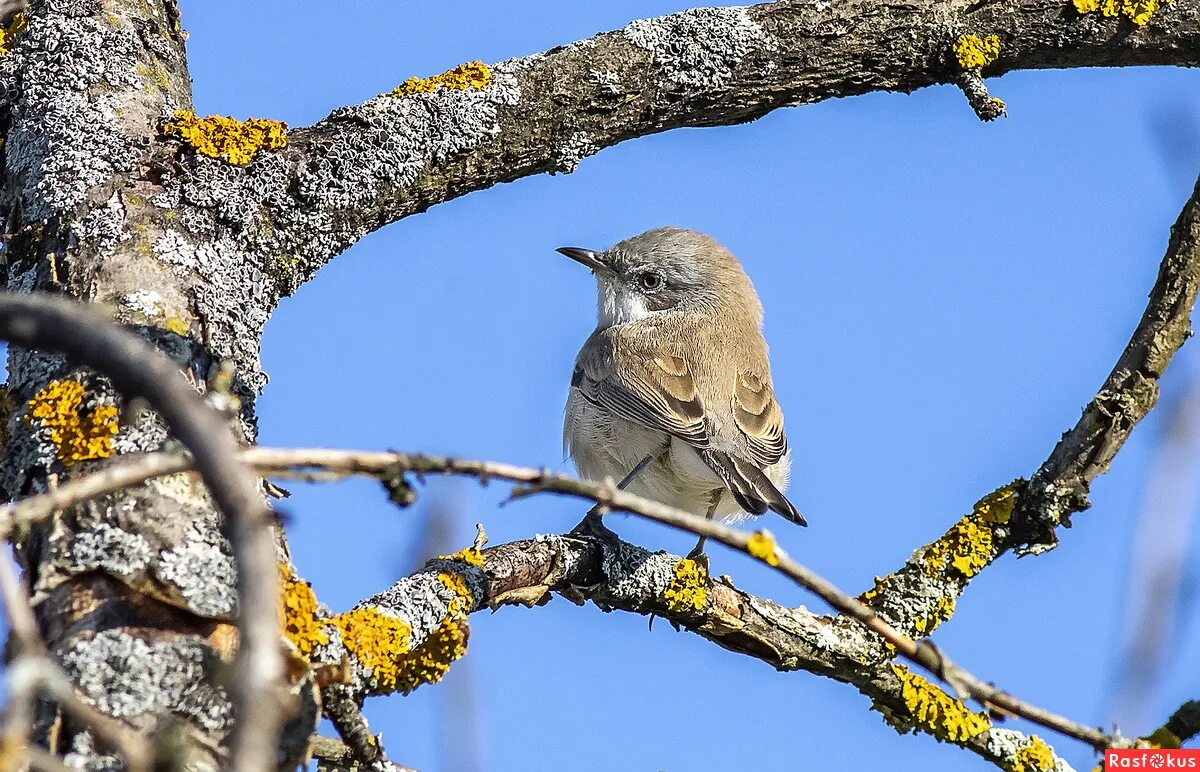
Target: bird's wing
[[657, 391], [759, 419]]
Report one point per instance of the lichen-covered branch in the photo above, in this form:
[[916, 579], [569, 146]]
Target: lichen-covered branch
[[410, 634], [1060, 486], [433, 139], [922, 593], [396, 656]]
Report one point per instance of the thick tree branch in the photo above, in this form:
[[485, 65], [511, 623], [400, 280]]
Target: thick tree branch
[[622, 576], [370, 164], [138, 369], [1060, 487]]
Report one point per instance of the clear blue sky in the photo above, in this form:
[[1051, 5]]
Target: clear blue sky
[[941, 296]]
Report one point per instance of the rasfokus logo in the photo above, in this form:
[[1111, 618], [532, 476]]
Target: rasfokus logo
[[1151, 758]]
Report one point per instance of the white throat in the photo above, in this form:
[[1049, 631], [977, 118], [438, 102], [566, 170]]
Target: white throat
[[617, 304]]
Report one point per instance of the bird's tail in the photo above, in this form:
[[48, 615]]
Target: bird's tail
[[751, 488]]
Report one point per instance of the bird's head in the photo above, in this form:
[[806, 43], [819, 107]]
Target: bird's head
[[665, 270]]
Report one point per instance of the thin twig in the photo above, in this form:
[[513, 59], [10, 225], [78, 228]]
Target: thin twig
[[136, 368], [987, 107], [269, 461]]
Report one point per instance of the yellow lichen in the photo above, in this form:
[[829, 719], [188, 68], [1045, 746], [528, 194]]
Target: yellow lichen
[[1163, 738], [298, 610], [176, 325], [997, 506], [1034, 757], [688, 590], [761, 544], [974, 52], [378, 641], [471, 556], [431, 660], [18, 23], [472, 75], [941, 612], [381, 642], [1138, 11], [966, 548], [228, 138], [937, 712], [457, 585], [77, 434], [875, 591]]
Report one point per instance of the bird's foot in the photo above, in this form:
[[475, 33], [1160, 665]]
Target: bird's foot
[[699, 555], [592, 526]]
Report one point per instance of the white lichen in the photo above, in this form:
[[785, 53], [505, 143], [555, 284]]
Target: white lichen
[[700, 47], [202, 571], [127, 677], [110, 549], [1006, 742]]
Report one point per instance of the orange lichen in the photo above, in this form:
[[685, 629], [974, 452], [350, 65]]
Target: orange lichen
[[176, 325], [77, 434], [937, 712], [378, 641], [382, 642], [227, 138], [471, 556], [688, 590], [472, 75], [298, 613], [875, 591]]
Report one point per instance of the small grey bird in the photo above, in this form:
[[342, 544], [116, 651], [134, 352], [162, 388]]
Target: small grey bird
[[672, 392]]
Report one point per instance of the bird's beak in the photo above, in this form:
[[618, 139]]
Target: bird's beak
[[586, 257]]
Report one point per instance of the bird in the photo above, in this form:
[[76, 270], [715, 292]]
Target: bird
[[671, 393]]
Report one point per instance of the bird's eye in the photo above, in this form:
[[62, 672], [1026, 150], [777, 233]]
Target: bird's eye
[[650, 280]]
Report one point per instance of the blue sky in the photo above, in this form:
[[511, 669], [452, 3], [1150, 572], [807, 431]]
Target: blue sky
[[941, 297]]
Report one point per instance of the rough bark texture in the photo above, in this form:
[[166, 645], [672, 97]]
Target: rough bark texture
[[135, 592]]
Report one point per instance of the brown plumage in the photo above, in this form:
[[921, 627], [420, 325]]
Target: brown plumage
[[677, 370]]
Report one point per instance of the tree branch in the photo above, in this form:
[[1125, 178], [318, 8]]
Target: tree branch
[[439, 138], [138, 369], [391, 468], [1060, 486], [622, 576]]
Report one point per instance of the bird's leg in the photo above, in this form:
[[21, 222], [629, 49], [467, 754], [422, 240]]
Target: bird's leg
[[697, 554], [593, 522]]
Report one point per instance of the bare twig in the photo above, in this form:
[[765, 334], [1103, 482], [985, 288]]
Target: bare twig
[[138, 369], [276, 462]]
